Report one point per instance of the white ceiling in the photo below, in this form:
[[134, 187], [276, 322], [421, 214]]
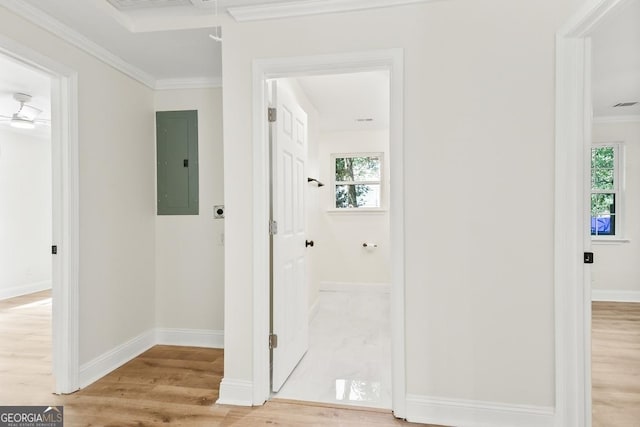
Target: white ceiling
[[15, 77], [349, 101], [175, 54], [172, 43], [616, 63]]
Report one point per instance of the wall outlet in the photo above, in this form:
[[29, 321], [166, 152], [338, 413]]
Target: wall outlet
[[218, 211]]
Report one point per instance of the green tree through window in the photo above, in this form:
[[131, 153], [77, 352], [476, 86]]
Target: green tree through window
[[357, 181], [605, 189]]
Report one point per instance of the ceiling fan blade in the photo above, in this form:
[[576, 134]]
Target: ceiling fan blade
[[30, 111], [5, 117]]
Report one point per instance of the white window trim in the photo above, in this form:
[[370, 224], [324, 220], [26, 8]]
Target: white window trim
[[380, 182], [619, 190]]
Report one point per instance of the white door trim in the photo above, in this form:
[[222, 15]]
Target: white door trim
[[572, 277], [263, 69], [65, 196]]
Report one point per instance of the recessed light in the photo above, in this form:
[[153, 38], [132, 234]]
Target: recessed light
[[626, 104]]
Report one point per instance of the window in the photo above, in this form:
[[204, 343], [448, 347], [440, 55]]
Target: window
[[357, 180], [606, 190]]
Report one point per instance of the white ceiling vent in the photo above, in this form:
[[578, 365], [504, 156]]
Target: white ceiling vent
[[626, 104]]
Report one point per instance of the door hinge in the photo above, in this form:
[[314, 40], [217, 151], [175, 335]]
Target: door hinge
[[272, 114], [273, 228], [54, 249], [273, 341], [588, 257]]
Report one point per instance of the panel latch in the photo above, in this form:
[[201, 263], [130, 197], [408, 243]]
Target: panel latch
[[588, 257]]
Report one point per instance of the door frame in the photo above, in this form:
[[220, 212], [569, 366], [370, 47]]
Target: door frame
[[572, 277], [271, 68], [65, 209]]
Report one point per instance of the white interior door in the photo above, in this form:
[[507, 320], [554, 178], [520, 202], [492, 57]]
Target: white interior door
[[289, 292]]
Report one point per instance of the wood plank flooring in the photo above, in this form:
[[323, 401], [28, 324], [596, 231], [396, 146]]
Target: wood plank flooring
[[179, 385], [166, 385], [616, 364]]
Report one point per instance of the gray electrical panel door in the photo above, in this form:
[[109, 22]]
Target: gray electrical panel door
[[177, 162]]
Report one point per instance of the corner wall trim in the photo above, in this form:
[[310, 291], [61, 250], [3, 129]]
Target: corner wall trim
[[29, 288], [260, 12], [616, 119], [354, 287], [43, 20], [116, 357], [235, 392], [471, 413], [195, 83], [615, 296], [190, 337]]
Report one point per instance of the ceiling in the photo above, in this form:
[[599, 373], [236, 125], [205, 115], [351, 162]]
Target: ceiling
[[165, 46], [616, 63], [166, 42], [354, 101]]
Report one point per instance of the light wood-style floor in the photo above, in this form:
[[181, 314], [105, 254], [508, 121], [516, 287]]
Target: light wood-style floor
[[179, 385], [164, 386], [616, 364]]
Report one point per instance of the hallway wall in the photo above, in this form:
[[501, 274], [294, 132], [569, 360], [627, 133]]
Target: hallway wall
[[473, 164], [117, 195], [190, 248], [616, 272], [341, 256], [25, 213]]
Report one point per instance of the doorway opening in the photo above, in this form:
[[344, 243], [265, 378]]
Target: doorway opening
[[64, 241], [614, 210], [573, 274], [340, 351], [266, 69], [25, 221]]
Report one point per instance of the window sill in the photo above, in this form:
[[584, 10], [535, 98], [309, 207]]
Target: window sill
[[612, 241], [352, 211]]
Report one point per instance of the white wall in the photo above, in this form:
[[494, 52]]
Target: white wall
[[616, 271], [341, 257], [189, 248], [25, 213], [117, 193], [479, 145]]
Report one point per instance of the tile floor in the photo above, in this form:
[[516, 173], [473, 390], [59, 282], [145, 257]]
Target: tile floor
[[349, 356]]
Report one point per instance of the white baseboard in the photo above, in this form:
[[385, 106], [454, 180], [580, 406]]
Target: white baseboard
[[470, 413], [615, 296], [235, 392], [116, 357], [29, 288], [190, 337], [354, 287]]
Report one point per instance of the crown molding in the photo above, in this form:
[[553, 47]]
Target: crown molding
[[309, 7], [47, 22], [193, 83], [617, 119]]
